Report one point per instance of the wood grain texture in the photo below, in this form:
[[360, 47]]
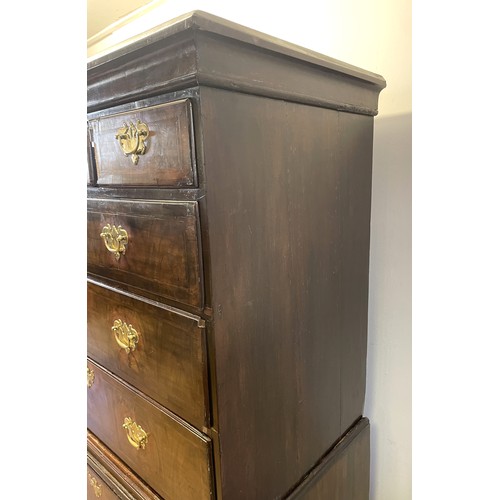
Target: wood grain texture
[[275, 222], [355, 158], [169, 363], [232, 65], [215, 25], [260, 229], [177, 460], [147, 72], [168, 160], [216, 52], [163, 252], [90, 160], [289, 233], [126, 484], [344, 474], [97, 488]]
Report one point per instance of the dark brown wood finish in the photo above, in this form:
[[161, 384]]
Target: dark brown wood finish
[[169, 362], [344, 474], [90, 161], [177, 459], [355, 205], [141, 72], [275, 262], [167, 160], [163, 251], [115, 473], [277, 220], [232, 65], [193, 49], [268, 247], [97, 488]]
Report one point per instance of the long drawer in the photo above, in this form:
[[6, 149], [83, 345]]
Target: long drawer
[[151, 146], [152, 247], [168, 454], [161, 352]]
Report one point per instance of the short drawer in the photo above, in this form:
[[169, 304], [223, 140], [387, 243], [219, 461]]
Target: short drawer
[[168, 454], [153, 247], [159, 351], [97, 488], [146, 147]]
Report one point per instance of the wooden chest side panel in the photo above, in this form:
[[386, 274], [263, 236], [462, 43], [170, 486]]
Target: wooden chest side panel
[[344, 474], [355, 158], [275, 229]]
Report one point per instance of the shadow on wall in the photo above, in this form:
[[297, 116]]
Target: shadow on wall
[[388, 397]]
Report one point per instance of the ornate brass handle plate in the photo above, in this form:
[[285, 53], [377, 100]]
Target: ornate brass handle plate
[[95, 486], [132, 139], [136, 435], [90, 377], [115, 239], [125, 335]]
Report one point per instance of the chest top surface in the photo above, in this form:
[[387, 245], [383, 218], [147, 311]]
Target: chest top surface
[[202, 49]]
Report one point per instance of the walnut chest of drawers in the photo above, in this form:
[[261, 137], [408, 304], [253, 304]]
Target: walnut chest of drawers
[[228, 241]]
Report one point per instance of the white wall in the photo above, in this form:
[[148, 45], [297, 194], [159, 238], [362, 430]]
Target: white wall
[[388, 391], [375, 35]]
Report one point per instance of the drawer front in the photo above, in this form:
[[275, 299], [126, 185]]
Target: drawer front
[[97, 488], [158, 351], [153, 247], [173, 458], [146, 147], [119, 478]]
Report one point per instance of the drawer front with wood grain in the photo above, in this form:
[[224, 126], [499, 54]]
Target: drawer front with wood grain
[[344, 473], [153, 247], [97, 488], [168, 454], [119, 478], [146, 147], [161, 352]]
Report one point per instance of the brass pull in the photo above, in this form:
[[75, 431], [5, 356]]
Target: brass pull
[[115, 239], [95, 485], [125, 335], [90, 377], [136, 436], [131, 139]]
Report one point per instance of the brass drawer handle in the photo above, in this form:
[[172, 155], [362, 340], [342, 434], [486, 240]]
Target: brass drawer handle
[[115, 239], [136, 435], [125, 335], [95, 485], [131, 139], [90, 377]]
